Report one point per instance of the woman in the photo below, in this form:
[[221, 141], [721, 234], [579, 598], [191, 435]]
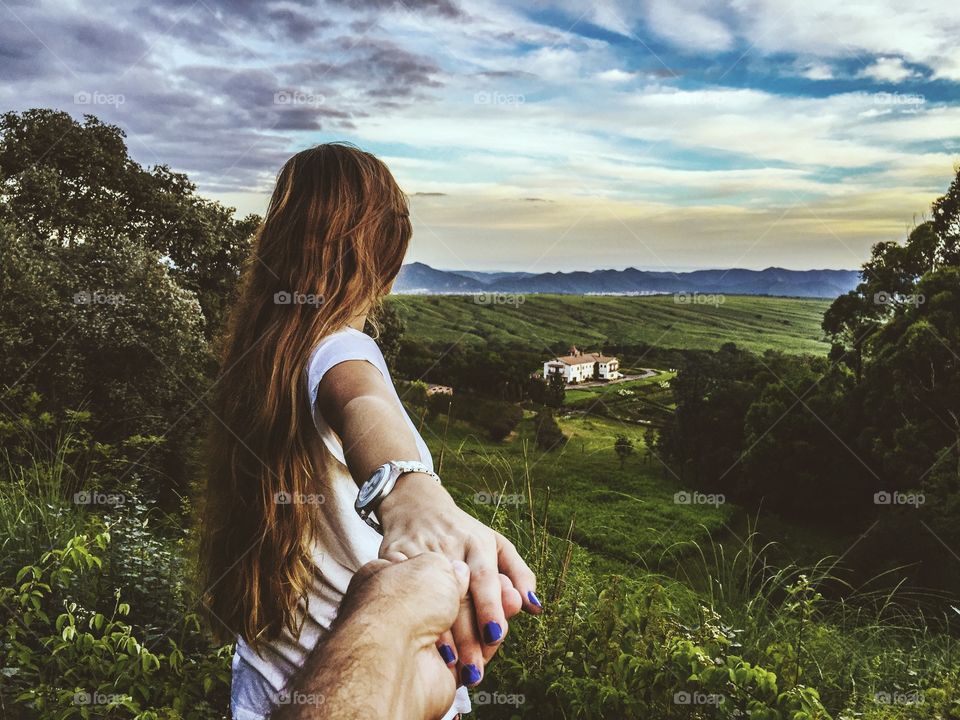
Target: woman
[[309, 435]]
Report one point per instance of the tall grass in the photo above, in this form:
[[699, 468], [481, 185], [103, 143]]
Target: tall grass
[[870, 653], [35, 514]]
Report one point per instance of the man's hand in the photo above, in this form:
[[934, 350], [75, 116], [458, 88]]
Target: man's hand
[[417, 599], [381, 659]]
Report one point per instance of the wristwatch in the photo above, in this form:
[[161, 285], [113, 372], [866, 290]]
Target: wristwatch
[[381, 484]]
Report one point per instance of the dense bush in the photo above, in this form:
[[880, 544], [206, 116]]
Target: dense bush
[[96, 610], [497, 418], [548, 434], [65, 658]]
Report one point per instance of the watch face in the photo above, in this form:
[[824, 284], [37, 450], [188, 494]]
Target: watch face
[[372, 486]]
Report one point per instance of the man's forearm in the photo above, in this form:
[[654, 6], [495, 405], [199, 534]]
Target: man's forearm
[[355, 672], [380, 658]]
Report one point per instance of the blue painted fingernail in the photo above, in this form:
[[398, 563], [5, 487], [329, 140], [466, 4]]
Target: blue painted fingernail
[[492, 632], [532, 597], [469, 674], [446, 652]]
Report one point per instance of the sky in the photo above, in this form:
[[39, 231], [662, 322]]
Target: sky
[[537, 136]]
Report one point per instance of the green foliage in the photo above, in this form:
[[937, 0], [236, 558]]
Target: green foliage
[[556, 391], [623, 447], [386, 325], [64, 659], [90, 192], [496, 418], [549, 436]]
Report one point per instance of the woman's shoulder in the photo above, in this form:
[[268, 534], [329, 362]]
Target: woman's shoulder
[[347, 337], [345, 344]]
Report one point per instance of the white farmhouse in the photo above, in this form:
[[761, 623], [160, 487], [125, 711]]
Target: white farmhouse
[[579, 366]]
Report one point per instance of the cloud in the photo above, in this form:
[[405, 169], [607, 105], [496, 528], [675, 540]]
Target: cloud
[[816, 71], [689, 25], [925, 34], [444, 8], [489, 109], [888, 70], [615, 75]]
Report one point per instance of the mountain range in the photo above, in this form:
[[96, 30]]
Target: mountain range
[[419, 278]]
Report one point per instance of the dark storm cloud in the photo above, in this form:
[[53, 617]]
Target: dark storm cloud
[[396, 72], [444, 8], [298, 26], [499, 74], [198, 29], [22, 56], [220, 89], [37, 42]]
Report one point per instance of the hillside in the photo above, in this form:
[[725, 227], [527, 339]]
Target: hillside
[[540, 321], [419, 278]]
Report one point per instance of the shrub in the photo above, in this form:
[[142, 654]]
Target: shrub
[[65, 659], [548, 433]]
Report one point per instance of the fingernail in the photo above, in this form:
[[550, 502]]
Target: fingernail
[[532, 597], [469, 675], [492, 632], [446, 652]]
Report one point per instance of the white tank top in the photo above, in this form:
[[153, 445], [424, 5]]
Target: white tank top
[[347, 543]]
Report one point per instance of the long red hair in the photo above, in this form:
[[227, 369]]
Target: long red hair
[[332, 241]]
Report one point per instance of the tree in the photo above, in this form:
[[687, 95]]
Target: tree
[[624, 448], [946, 223], [114, 280], [556, 390], [64, 184], [849, 322], [549, 436], [386, 325], [107, 330], [889, 281]]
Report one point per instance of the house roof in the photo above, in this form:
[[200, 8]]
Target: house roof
[[583, 358]]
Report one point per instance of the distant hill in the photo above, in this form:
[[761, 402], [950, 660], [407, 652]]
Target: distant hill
[[418, 278], [543, 322]]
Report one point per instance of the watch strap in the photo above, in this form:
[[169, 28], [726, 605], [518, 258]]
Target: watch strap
[[403, 467], [411, 466]]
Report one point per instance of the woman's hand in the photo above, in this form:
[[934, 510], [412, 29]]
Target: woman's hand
[[420, 516]]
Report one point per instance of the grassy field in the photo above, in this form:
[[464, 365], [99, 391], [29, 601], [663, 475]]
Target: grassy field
[[626, 516], [534, 321]]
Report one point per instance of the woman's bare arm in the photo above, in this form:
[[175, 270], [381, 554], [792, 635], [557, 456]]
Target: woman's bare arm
[[419, 515]]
